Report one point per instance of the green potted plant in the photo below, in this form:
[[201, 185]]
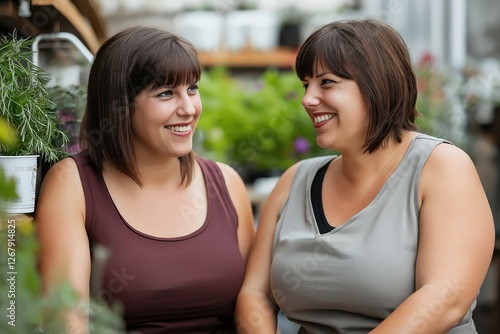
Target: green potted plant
[[25, 104]]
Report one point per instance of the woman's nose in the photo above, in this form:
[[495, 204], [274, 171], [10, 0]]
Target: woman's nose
[[186, 105], [310, 98]]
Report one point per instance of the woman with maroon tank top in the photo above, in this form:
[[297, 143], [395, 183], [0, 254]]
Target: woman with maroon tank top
[[176, 228]]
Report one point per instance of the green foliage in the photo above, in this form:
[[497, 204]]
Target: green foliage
[[256, 126], [32, 309], [25, 103], [262, 124], [70, 105], [8, 137], [72, 97]]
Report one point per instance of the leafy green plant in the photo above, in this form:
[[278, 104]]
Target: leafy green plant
[[8, 137], [25, 306], [261, 126], [25, 103]]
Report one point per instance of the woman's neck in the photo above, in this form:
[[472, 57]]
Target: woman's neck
[[358, 166]]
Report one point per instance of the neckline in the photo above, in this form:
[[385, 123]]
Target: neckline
[[335, 229], [159, 238]]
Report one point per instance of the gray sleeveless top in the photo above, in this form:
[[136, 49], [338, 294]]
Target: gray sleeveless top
[[350, 279]]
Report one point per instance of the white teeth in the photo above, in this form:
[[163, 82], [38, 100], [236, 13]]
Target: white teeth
[[323, 118], [185, 128]]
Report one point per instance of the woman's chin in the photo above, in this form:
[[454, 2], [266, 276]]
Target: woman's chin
[[322, 143]]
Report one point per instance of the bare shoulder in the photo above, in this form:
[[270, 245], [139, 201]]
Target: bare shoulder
[[448, 151], [450, 159], [61, 191], [449, 170], [281, 190], [229, 173], [234, 183], [286, 178], [62, 172]]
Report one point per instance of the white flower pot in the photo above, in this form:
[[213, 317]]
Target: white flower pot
[[23, 169], [202, 28], [258, 28]]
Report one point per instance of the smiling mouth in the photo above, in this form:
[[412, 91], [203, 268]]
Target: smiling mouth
[[323, 118], [181, 129]]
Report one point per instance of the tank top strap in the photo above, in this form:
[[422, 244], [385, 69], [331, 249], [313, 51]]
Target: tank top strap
[[94, 188], [216, 186], [415, 158]]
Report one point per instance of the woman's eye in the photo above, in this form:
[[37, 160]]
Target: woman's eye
[[305, 86], [326, 81], [193, 89], [166, 93]]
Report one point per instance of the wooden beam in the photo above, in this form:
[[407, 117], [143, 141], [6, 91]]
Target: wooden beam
[[90, 10], [280, 57], [71, 13]]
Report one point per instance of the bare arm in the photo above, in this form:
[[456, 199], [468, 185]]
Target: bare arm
[[455, 246], [255, 309], [60, 220], [239, 196]]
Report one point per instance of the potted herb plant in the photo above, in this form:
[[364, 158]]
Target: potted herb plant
[[25, 105]]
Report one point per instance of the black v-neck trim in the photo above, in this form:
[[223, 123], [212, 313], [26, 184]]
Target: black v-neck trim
[[317, 201]]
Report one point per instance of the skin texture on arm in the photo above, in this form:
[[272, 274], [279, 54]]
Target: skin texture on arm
[[60, 221], [455, 246], [239, 196], [255, 309]]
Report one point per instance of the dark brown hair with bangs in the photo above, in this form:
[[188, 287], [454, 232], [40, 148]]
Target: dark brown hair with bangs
[[134, 59], [374, 55]]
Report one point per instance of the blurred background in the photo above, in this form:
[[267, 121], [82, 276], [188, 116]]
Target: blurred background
[[252, 117]]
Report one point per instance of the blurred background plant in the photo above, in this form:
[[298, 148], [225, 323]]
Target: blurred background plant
[[255, 126], [70, 104], [440, 102], [260, 125]]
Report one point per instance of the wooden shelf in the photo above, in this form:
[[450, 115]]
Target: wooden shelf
[[78, 17], [81, 18], [280, 57]]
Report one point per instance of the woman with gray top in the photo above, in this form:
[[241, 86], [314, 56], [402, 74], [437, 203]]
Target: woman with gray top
[[393, 235]]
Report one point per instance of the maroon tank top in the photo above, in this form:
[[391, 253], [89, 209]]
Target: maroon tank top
[[185, 284]]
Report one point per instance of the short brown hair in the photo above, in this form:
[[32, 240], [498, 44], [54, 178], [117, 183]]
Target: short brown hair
[[375, 56], [134, 59]]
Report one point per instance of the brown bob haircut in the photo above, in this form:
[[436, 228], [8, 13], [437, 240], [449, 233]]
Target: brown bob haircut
[[129, 62], [374, 55]]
